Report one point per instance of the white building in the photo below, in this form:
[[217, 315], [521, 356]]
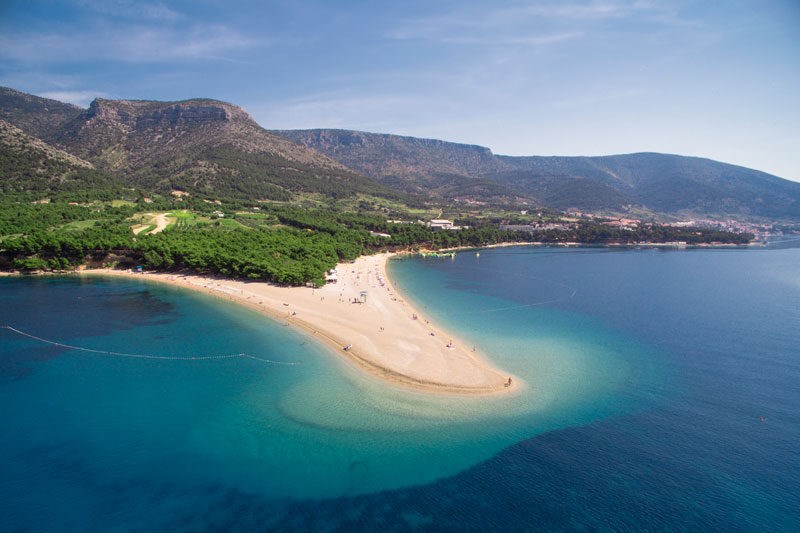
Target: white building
[[441, 224]]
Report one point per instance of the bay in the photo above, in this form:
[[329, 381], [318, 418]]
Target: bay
[[659, 394]]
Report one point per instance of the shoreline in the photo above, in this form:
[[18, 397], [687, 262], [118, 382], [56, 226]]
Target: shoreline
[[385, 336], [539, 244]]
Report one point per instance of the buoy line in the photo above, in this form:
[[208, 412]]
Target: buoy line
[[572, 292], [514, 307], [145, 356]]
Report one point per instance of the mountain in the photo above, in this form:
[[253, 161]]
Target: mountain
[[215, 149], [36, 116], [29, 165], [202, 146], [658, 182], [421, 166], [661, 183]]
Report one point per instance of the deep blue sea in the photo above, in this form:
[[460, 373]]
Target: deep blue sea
[[661, 393]]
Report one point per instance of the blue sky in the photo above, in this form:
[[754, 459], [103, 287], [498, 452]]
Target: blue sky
[[711, 79]]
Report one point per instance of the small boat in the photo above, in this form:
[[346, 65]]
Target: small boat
[[347, 348]]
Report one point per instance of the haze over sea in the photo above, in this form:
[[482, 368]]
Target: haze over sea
[[660, 393]]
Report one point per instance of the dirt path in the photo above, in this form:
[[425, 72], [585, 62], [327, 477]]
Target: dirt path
[[161, 223]]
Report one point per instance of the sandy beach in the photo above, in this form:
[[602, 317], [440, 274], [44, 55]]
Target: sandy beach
[[362, 312]]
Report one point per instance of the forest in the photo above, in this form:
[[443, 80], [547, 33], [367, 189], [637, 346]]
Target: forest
[[276, 242]]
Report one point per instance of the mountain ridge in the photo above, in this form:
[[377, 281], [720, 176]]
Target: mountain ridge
[[416, 165], [198, 145], [216, 149], [36, 116], [646, 181]]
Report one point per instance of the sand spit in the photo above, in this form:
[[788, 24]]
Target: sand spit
[[363, 319]]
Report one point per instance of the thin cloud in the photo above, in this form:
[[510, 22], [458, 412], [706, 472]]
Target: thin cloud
[[521, 40], [202, 42], [128, 44], [368, 112], [551, 23], [79, 98], [132, 10], [593, 10]]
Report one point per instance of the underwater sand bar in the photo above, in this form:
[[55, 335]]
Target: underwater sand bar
[[362, 318]]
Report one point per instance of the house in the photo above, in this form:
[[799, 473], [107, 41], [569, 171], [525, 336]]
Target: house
[[441, 223]]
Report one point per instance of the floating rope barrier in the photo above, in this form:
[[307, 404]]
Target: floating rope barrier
[[572, 292], [514, 307], [145, 356]]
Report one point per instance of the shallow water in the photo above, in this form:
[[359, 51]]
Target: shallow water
[[646, 373]]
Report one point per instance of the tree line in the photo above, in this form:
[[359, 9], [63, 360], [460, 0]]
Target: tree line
[[282, 243]]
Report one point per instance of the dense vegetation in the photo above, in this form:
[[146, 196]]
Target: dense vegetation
[[49, 237], [32, 172], [279, 242]]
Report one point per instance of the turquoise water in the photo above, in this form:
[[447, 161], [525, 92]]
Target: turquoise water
[[645, 376]]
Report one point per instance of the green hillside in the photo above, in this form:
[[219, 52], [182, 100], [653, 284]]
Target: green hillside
[[32, 169], [36, 116]]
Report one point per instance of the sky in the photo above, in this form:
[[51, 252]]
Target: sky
[[717, 79]]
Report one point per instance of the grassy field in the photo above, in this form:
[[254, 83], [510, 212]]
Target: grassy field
[[143, 231], [184, 218], [78, 225]]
